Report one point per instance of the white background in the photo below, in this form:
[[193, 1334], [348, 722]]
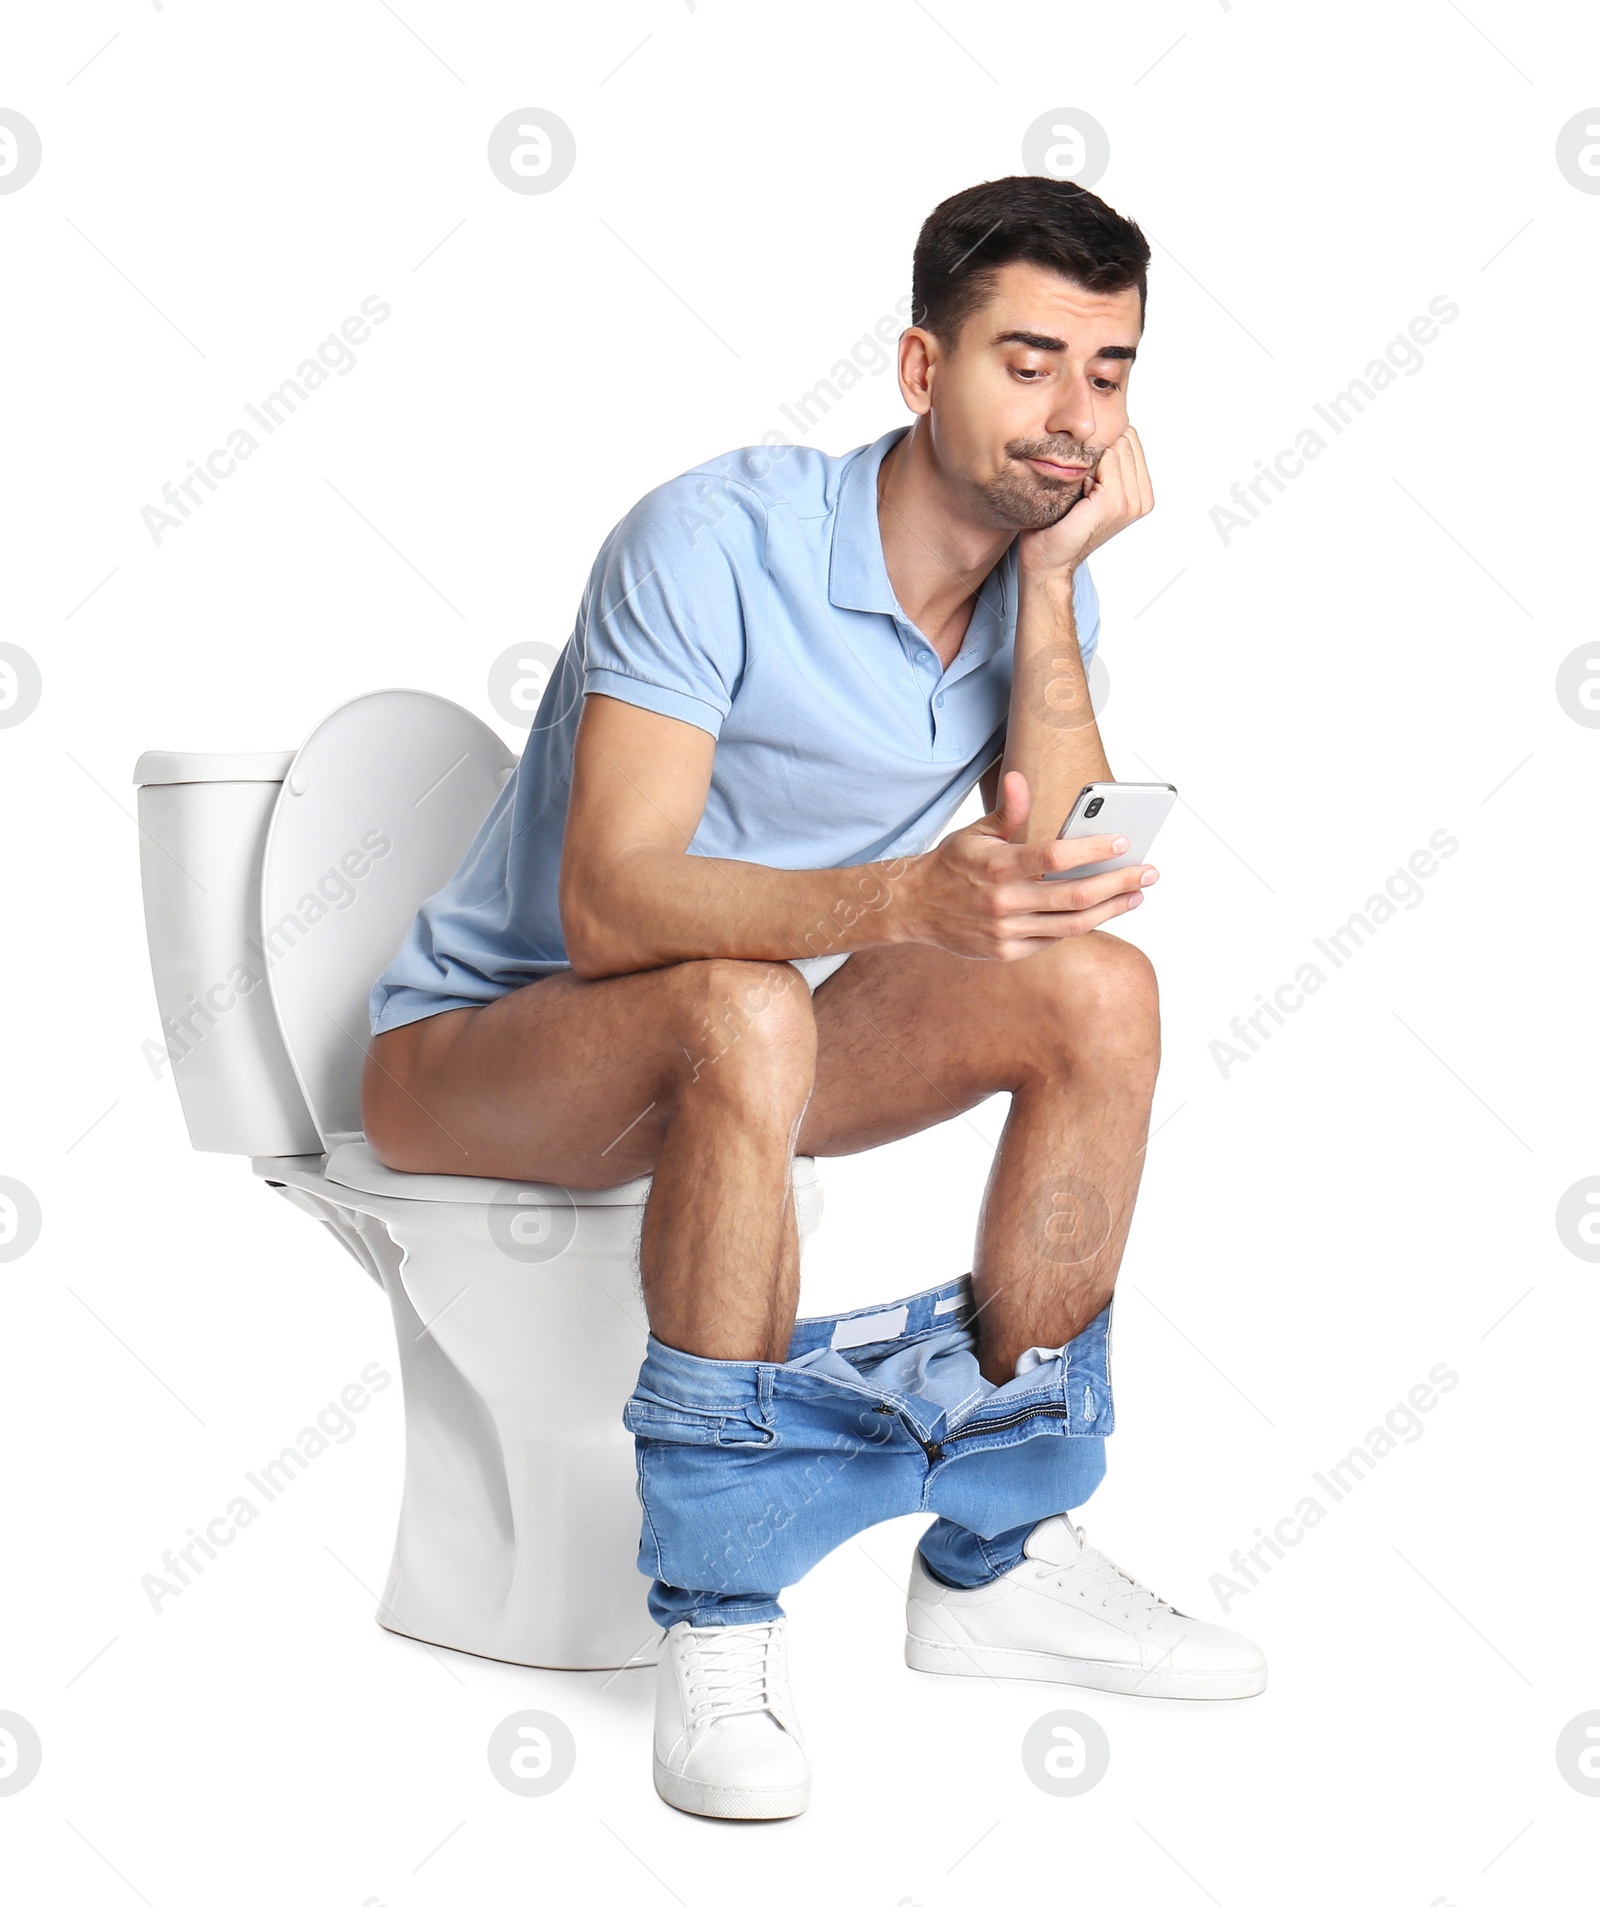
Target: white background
[[1371, 1193]]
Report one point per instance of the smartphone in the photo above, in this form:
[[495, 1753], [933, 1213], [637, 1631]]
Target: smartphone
[[1134, 808]]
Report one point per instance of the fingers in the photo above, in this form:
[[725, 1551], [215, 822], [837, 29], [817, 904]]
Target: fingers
[[1068, 897], [1107, 490], [1137, 496], [1141, 470], [1025, 898], [1055, 857], [1122, 479], [1116, 493], [1037, 930]]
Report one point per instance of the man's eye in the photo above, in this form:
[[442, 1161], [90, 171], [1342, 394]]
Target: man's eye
[[1027, 372], [1108, 384]]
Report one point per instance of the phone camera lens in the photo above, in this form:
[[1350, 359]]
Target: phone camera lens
[[1094, 807]]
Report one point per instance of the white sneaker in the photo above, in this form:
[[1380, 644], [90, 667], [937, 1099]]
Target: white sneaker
[[1066, 1613], [726, 1740]]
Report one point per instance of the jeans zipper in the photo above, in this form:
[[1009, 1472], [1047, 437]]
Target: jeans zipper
[[1010, 1418], [936, 1450], [933, 1451]]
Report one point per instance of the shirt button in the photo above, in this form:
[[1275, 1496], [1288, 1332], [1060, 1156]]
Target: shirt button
[[938, 701], [923, 658]]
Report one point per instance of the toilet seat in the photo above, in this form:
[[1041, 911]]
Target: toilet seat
[[355, 1167]]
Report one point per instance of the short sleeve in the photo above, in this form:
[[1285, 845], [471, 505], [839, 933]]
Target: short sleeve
[[1086, 612], [664, 612]]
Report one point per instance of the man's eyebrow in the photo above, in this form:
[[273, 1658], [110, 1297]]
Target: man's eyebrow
[[1037, 341]]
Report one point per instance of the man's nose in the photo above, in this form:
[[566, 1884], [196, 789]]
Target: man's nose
[[1073, 415]]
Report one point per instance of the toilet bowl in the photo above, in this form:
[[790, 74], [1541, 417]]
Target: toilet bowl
[[276, 888]]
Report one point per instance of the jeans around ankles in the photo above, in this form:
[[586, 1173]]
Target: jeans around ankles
[[751, 1472]]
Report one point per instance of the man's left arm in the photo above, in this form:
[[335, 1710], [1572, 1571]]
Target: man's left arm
[[1052, 738]]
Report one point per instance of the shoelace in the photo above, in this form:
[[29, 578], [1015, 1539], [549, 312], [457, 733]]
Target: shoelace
[[1092, 1571], [731, 1673]]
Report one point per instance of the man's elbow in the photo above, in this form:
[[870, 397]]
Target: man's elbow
[[593, 944], [588, 946], [587, 964], [605, 911]]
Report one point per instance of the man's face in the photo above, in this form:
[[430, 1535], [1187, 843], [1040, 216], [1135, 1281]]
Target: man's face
[[1033, 392]]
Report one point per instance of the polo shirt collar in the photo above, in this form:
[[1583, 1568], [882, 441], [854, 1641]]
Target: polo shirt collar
[[857, 575]]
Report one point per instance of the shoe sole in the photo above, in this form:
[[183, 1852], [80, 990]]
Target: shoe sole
[[731, 1804], [1116, 1678]]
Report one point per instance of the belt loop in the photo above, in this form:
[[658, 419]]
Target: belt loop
[[766, 1375]]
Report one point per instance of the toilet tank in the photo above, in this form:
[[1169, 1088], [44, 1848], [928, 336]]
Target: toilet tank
[[203, 823]]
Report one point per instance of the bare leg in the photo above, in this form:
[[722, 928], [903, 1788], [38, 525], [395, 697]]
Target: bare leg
[[712, 1074], [1060, 1196], [720, 1252], [911, 1036], [698, 1073]]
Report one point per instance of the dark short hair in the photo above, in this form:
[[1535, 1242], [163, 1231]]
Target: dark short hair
[[1050, 222]]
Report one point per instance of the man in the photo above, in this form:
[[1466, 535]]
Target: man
[[788, 671]]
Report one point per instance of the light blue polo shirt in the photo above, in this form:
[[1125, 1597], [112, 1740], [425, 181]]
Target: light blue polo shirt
[[748, 596]]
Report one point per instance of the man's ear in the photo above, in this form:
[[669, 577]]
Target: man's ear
[[918, 358]]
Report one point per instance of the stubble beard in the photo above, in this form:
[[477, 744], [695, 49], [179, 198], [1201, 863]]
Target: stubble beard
[[1022, 498]]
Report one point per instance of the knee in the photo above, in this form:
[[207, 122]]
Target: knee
[[1095, 1002], [745, 1028]]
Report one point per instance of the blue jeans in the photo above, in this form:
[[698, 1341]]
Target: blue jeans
[[751, 1472]]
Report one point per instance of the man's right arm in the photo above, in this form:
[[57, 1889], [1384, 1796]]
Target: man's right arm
[[632, 897]]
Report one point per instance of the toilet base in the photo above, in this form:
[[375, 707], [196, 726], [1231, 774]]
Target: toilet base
[[519, 1343], [519, 1516], [644, 1660]]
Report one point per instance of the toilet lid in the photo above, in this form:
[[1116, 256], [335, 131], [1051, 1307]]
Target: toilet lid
[[374, 816]]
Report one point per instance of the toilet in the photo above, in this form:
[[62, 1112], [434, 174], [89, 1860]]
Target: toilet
[[276, 889]]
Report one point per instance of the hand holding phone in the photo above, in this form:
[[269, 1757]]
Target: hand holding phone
[[980, 891]]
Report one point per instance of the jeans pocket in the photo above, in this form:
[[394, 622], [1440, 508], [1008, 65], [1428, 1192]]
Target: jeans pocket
[[690, 1424]]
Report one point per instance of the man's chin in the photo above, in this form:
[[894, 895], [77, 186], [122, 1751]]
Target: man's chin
[[1061, 499], [1025, 499], [1037, 509]]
